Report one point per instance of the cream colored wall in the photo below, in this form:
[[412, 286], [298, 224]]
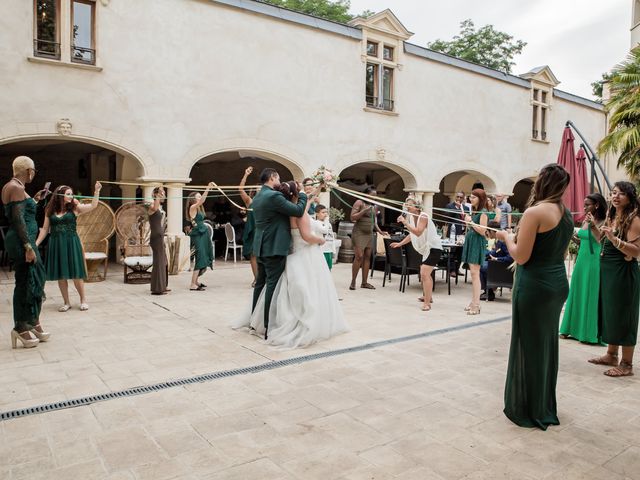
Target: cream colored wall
[[181, 79]]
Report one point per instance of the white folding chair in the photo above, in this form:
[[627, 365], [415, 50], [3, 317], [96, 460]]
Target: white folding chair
[[230, 233]]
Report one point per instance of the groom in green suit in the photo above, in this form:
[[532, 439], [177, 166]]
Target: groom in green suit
[[272, 238]]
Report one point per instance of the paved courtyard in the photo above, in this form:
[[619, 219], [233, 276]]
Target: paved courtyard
[[424, 408]]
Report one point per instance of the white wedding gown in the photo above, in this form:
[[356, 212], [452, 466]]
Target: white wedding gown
[[305, 307]]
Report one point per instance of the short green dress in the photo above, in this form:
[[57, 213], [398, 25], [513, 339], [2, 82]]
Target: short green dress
[[65, 257], [28, 293], [201, 242], [539, 291], [475, 245], [580, 320], [619, 297], [247, 236]]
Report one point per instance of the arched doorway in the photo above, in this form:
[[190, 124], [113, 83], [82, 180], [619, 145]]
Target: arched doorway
[[461, 181], [227, 168], [75, 163], [79, 164], [388, 183]]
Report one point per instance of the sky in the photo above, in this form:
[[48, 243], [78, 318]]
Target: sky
[[578, 39]]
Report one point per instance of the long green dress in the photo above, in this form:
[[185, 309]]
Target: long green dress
[[28, 293], [619, 297], [247, 236], [580, 320], [65, 257], [475, 245], [201, 242], [540, 289]]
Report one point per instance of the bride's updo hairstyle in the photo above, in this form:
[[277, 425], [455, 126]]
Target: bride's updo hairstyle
[[288, 189]]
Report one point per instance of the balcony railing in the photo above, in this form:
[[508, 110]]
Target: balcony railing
[[385, 104], [83, 55], [46, 48]]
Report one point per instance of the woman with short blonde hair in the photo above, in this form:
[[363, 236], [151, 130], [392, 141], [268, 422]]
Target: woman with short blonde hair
[[20, 244]]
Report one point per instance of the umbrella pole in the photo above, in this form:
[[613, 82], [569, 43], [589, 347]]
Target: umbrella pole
[[594, 158]]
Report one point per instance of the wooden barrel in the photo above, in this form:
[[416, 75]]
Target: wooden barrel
[[346, 253]]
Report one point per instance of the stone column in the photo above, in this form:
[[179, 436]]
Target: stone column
[[427, 202], [147, 192], [174, 208]]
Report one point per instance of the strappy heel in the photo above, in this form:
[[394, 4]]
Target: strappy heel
[[473, 310], [41, 336], [26, 342]]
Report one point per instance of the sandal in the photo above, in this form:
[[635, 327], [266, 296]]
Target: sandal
[[623, 370], [603, 360], [474, 310], [199, 289], [368, 286], [352, 287], [468, 307], [84, 307], [426, 308], [64, 308], [563, 336]]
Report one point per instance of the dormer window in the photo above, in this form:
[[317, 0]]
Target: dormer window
[[372, 49], [381, 54], [543, 81]]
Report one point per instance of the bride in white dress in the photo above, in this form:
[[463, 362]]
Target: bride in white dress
[[305, 306]]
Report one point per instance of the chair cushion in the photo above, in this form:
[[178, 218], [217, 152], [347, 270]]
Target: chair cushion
[[141, 261], [95, 255]]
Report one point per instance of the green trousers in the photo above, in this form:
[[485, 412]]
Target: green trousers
[[269, 271]]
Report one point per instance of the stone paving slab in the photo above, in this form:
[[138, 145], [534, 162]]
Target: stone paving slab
[[424, 409]]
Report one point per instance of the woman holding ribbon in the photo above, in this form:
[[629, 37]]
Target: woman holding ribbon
[[200, 237], [539, 291], [475, 245], [65, 256], [424, 237], [580, 320], [620, 280]]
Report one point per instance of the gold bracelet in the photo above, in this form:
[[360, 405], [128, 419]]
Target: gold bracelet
[[27, 246]]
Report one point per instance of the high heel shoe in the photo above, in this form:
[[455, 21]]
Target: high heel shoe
[[474, 310], [42, 336], [26, 342]]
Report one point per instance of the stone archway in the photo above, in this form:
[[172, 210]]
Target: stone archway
[[74, 161], [461, 180]]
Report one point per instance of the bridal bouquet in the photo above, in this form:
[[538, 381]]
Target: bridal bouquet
[[324, 177]]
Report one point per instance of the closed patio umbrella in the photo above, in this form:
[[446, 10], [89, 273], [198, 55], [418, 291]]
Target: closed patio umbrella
[[577, 190]]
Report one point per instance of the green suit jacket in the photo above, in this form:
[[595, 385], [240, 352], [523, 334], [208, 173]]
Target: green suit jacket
[[271, 211]]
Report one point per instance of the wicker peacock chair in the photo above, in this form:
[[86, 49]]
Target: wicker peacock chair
[[132, 227], [95, 228]]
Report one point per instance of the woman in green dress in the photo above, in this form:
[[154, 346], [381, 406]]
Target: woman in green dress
[[580, 320], [20, 243], [539, 291], [201, 240], [620, 280], [249, 227], [475, 245], [65, 256]]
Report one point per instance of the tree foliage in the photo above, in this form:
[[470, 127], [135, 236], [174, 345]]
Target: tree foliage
[[623, 137], [484, 46], [597, 86], [336, 10]]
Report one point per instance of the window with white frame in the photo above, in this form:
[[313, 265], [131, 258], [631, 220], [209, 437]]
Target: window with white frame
[[540, 103], [379, 77], [75, 17]]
